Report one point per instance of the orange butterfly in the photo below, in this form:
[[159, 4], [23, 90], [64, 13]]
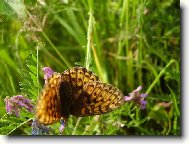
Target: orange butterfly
[[76, 91]]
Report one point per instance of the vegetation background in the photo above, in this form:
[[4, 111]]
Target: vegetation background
[[125, 42]]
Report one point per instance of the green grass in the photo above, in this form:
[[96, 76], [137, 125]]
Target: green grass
[[126, 43]]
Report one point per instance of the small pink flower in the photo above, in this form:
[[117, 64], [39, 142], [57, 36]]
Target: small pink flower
[[47, 72], [138, 98]]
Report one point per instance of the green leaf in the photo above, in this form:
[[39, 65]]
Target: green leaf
[[33, 69], [13, 8]]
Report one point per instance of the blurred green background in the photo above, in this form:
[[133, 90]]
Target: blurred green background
[[132, 43]]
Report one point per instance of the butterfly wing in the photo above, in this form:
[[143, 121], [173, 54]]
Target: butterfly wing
[[76, 91], [48, 106], [73, 81], [97, 98]]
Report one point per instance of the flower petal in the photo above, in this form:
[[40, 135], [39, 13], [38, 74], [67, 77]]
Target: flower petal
[[47, 71], [139, 88], [137, 98], [128, 98], [144, 95], [143, 104]]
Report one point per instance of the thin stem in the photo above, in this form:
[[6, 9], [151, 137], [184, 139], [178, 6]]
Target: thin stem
[[159, 76], [177, 111], [77, 123], [89, 32], [98, 64], [3, 117], [37, 70], [137, 114], [19, 126]]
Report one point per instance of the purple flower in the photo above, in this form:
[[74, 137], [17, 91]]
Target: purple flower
[[39, 129], [15, 103], [61, 126], [47, 72], [138, 98]]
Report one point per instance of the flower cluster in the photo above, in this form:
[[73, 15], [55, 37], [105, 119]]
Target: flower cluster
[[14, 104], [39, 129], [138, 98]]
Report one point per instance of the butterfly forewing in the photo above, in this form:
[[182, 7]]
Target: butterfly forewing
[[48, 104], [74, 79]]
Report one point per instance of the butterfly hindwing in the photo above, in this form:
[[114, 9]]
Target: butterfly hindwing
[[48, 104], [97, 98]]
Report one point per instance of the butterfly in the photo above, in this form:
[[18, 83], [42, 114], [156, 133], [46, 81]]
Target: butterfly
[[78, 92]]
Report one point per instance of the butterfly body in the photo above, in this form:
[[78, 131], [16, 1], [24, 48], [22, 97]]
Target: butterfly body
[[76, 91]]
